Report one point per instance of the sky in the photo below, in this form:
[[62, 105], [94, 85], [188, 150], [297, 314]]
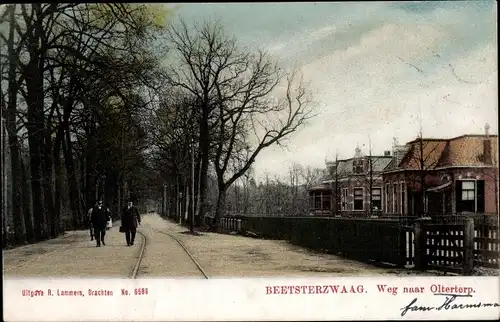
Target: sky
[[376, 69]]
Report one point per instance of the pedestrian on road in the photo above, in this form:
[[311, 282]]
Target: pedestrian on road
[[130, 220], [100, 216], [91, 228]]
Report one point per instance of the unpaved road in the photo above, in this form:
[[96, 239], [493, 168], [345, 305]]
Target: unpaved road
[[73, 255], [222, 255], [219, 255]]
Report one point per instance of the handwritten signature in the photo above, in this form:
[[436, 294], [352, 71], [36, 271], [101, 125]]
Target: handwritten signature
[[449, 304]]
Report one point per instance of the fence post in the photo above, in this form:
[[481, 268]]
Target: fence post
[[420, 248], [468, 246]]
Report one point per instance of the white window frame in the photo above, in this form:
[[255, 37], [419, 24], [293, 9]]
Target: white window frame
[[386, 194], [358, 163], [343, 198], [402, 193], [468, 191], [394, 197], [354, 198], [474, 181], [380, 196]]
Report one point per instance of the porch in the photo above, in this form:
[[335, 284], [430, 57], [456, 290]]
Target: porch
[[438, 199], [321, 200]]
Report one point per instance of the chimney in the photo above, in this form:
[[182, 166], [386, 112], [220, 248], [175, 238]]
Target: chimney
[[387, 153], [487, 157]]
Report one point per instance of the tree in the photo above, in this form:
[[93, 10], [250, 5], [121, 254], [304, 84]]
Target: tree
[[233, 90], [372, 176], [296, 174], [172, 129], [22, 235], [66, 61], [337, 174], [422, 157]]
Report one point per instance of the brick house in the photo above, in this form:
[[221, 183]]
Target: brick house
[[345, 189], [443, 176]]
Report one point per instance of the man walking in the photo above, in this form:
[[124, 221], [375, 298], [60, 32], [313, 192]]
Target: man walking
[[99, 218], [130, 220]]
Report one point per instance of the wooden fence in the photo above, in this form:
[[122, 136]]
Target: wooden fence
[[452, 247], [362, 239], [456, 245]]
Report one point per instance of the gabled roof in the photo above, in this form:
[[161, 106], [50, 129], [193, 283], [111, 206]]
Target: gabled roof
[[427, 150], [465, 150], [345, 167]]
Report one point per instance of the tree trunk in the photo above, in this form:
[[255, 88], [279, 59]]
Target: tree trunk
[[205, 151], [15, 152], [58, 182], [35, 129], [186, 202], [90, 168], [119, 195], [27, 202], [74, 194], [178, 204], [82, 188], [200, 222], [48, 185], [220, 209], [33, 75]]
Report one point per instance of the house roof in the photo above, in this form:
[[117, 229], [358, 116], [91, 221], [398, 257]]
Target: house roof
[[427, 150], [345, 167], [320, 187], [465, 150]]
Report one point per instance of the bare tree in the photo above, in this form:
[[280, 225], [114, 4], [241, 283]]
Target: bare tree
[[337, 174], [372, 176], [422, 157], [234, 90], [295, 173], [21, 234], [196, 72], [311, 176]]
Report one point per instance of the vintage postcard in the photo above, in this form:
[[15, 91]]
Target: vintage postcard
[[250, 161]]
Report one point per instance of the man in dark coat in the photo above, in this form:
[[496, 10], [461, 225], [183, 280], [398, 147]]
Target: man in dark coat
[[99, 217], [130, 220]]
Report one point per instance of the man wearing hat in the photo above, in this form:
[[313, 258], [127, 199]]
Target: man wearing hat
[[99, 218], [130, 221]]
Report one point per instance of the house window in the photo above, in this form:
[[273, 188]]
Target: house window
[[317, 201], [358, 198], [376, 201], [386, 197], [395, 198], [470, 196], [344, 195], [466, 196], [468, 190], [326, 202], [357, 166], [343, 199], [402, 198]]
